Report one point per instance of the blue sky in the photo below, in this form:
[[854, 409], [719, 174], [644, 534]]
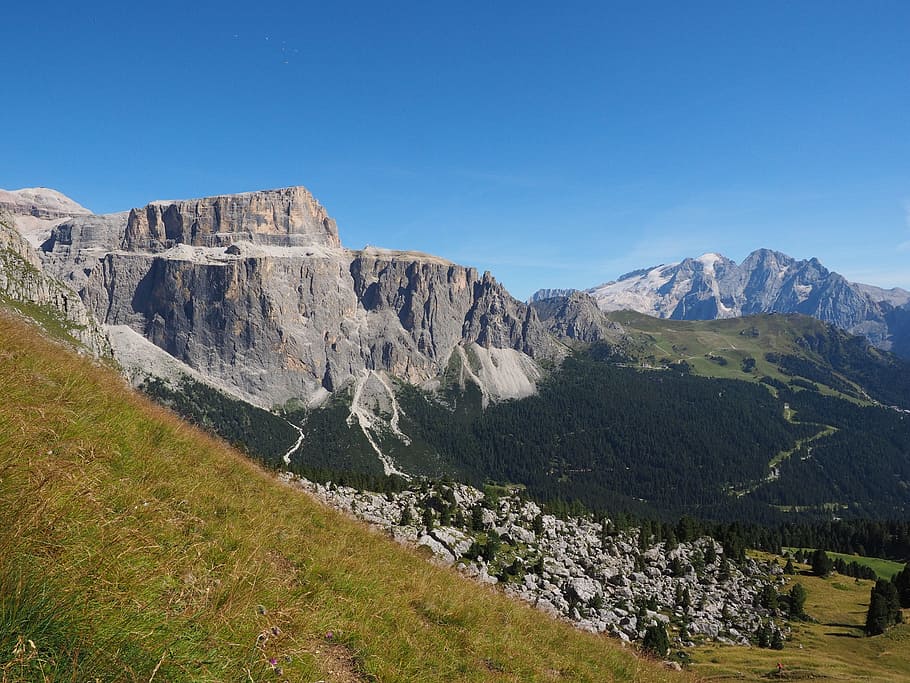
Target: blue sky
[[555, 144]]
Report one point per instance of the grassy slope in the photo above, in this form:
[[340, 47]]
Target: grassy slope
[[133, 547], [885, 569], [832, 647], [692, 340]]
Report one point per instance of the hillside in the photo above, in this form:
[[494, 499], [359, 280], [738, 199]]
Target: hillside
[[831, 646], [134, 547], [780, 347]]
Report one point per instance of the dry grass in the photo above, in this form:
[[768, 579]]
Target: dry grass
[[135, 548]]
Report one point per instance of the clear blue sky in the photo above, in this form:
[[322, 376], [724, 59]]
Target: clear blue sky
[[555, 144]]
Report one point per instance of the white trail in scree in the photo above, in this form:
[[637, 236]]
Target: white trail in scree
[[368, 421], [287, 456]]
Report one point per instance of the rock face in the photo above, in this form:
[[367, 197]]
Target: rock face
[[76, 244], [542, 294], [712, 286], [576, 316], [255, 292], [287, 217], [26, 286]]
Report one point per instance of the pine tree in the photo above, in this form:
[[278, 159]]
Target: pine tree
[[710, 554], [428, 518], [405, 516], [656, 640], [777, 640], [477, 517], [902, 583], [821, 563], [789, 568], [767, 598], [884, 608], [798, 597], [877, 616]]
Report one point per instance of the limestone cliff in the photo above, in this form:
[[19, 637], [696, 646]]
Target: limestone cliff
[[255, 292], [287, 217]]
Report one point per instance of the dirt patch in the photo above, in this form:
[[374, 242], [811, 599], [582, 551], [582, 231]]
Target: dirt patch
[[339, 664]]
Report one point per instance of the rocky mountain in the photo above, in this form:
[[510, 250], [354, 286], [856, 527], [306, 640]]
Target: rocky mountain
[[576, 316], [255, 294], [713, 286], [25, 286], [544, 294], [40, 202]]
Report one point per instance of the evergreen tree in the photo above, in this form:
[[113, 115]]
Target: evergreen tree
[[884, 608], [821, 563], [477, 517], [789, 568], [877, 616], [902, 584], [710, 554], [656, 641], [686, 601], [405, 516], [767, 598], [777, 640], [798, 597]]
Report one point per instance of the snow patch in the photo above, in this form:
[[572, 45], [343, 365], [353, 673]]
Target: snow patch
[[637, 293], [709, 261], [802, 291]]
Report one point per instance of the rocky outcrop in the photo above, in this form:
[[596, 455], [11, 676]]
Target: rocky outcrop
[[76, 245], [542, 294], [712, 286], [288, 324], [600, 578], [577, 317], [25, 286], [287, 217]]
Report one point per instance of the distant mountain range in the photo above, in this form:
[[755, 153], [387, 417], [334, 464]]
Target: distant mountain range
[[714, 287]]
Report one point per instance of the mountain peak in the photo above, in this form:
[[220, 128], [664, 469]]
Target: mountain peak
[[40, 202], [712, 286]]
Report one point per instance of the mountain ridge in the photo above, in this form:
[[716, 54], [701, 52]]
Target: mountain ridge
[[256, 292], [713, 286]]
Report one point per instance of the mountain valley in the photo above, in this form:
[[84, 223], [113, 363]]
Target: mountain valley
[[631, 430]]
